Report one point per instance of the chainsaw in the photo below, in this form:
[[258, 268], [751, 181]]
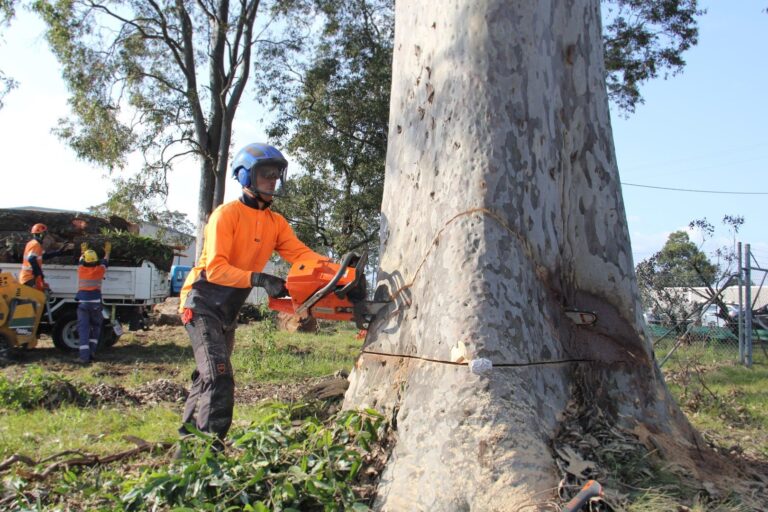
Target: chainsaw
[[330, 291]]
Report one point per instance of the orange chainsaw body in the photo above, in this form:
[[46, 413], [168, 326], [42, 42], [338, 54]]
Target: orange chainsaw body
[[305, 278]]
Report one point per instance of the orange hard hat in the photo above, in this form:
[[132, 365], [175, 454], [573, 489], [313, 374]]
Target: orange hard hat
[[39, 228]]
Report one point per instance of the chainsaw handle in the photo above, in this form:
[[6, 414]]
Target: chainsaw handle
[[328, 288], [361, 262], [590, 490]]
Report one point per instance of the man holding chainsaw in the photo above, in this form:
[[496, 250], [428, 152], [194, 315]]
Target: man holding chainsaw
[[240, 237]]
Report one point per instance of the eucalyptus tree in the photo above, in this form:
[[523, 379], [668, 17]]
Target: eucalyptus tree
[[513, 347], [331, 99], [157, 76], [331, 105], [645, 39]]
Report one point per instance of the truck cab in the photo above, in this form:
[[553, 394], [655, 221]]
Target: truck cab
[[177, 278]]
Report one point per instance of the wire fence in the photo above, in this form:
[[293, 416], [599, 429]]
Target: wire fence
[[703, 343], [709, 331]]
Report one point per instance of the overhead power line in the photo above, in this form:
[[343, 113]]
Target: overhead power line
[[697, 191]]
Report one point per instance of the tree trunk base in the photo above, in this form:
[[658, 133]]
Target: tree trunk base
[[507, 440], [463, 441]]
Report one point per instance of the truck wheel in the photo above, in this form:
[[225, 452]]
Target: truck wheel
[[66, 337], [108, 336], [6, 348], [64, 333]]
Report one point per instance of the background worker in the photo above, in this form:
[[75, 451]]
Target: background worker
[[32, 262], [90, 274], [239, 239]]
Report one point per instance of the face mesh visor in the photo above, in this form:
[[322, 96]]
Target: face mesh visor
[[268, 172]]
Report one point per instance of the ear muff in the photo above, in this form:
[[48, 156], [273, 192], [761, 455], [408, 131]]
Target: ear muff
[[244, 177]]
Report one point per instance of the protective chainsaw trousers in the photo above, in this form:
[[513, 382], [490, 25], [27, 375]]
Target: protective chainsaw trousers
[[211, 398]]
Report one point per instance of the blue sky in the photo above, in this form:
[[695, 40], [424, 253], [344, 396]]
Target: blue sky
[[704, 129]]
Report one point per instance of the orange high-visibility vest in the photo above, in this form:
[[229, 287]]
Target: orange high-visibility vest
[[33, 248], [90, 278]]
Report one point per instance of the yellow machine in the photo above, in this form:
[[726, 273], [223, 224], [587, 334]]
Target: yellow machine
[[21, 308]]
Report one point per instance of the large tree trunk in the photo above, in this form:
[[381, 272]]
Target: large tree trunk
[[502, 210]]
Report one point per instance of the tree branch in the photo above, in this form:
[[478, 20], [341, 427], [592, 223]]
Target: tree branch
[[84, 459]]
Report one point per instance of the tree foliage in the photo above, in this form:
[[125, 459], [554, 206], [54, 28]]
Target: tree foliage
[[7, 12], [161, 77], [332, 117], [684, 263], [666, 277], [280, 464], [140, 204], [644, 39]]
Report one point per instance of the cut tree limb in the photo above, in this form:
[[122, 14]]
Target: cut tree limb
[[83, 459]]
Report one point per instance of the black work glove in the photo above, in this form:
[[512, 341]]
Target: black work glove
[[274, 286]]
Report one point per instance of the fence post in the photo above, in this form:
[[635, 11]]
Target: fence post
[[748, 313], [740, 317]]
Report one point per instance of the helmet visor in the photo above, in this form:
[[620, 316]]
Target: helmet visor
[[267, 180], [269, 172]]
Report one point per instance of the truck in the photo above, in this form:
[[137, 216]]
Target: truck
[[178, 276], [127, 294]]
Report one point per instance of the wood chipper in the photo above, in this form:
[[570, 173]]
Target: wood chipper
[[21, 308], [329, 291]]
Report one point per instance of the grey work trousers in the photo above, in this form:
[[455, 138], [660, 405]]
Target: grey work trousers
[[211, 398]]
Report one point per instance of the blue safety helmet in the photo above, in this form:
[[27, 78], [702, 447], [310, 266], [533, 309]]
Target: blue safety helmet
[[256, 155]]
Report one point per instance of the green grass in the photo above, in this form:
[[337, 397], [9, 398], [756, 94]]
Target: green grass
[[275, 463], [40, 433], [263, 354], [723, 398], [655, 501], [709, 350]]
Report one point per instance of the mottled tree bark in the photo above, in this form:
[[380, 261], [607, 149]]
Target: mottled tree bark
[[502, 211]]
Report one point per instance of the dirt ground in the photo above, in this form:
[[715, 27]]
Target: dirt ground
[[162, 354]]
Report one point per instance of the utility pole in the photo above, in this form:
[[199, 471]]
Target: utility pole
[[748, 313], [740, 316]]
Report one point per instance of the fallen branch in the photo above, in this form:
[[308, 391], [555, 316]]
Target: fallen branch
[[83, 459], [10, 461]]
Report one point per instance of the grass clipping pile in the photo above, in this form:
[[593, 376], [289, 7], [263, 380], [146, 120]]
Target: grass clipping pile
[[634, 465]]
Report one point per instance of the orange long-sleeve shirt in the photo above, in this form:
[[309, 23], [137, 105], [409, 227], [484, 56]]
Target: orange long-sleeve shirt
[[239, 240], [33, 248]]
